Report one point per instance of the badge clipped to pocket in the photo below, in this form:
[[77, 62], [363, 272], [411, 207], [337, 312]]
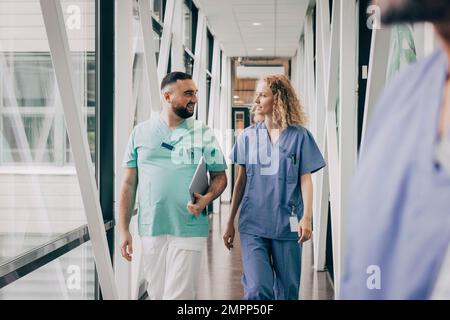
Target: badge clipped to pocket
[[293, 221]]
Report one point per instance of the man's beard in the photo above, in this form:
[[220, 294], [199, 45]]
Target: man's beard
[[411, 11], [183, 111]]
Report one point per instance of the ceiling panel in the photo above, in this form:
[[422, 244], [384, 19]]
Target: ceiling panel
[[245, 8], [231, 21]]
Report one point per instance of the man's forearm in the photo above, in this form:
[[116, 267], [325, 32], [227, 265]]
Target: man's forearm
[[126, 207], [218, 185]]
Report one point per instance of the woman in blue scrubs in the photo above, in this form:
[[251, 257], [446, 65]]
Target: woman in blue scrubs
[[275, 159]]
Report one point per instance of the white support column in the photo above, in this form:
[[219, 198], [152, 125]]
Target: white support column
[[347, 120], [305, 75], [310, 73], [215, 87], [331, 141], [123, 119], [202, 96], [323, 197], [150, 56], [62, 63], [199, 73], [321, 190], [214, 101], [166, 39], [225, 119], [320, 72], [294, 75], [177, 51], [301, 70], [379, 54], [201, 27]]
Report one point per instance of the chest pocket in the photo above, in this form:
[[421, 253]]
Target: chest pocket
[[150, 154], [292, 167], [190, 155]]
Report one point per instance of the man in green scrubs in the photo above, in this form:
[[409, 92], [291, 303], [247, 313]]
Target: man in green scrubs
[[160, 161]]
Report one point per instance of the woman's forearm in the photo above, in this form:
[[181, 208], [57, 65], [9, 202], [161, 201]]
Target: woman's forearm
[[307, 195], [238, 193]]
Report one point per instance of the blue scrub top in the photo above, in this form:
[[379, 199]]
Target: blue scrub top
[[399, 215], [273, 172]]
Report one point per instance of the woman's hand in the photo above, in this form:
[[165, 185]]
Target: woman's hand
[[304, 229], [228, 236]]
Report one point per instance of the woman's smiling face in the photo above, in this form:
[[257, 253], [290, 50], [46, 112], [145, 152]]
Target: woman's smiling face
[[263, 101]]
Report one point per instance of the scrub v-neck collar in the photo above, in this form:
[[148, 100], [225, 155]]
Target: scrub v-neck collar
[[181, 125], [278, 142], [172, 136]]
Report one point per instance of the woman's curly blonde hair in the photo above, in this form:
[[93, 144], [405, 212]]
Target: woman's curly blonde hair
[[287, 109]]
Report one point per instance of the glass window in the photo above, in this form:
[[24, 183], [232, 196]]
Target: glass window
[[39, 134], [210, 46], [39, 191], [140, 80], [208, 94], [30, 86], [31, 80], [90, 123], [187, 25], [159, 7], [188, 63], [220, 67], [70, 277]]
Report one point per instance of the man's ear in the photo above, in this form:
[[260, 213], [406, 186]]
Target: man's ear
[[166, 96]]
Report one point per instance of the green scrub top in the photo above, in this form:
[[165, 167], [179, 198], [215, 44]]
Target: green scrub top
[[166, 161]]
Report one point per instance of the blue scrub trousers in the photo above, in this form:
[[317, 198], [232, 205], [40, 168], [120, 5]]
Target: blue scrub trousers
[[271, 268]]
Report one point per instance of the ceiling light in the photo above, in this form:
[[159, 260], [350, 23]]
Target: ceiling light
[[256, 24], [260, 49], [236, 97]]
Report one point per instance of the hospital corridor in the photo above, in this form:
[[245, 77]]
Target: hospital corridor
[[218, 150]]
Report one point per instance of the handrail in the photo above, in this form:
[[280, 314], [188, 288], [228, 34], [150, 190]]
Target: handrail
[[17, 267]]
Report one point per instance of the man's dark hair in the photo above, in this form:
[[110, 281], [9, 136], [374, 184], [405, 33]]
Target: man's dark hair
[[173, 77]]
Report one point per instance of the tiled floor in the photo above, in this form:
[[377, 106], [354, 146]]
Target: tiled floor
[[222, 269]]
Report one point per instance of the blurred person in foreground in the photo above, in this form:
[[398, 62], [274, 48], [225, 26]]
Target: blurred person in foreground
[[398, 229]]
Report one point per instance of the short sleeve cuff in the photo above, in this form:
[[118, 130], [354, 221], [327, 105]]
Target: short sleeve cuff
[[217, 167], [129, 164], [312, 168]]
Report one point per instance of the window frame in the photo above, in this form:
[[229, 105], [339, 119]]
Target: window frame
[[23, 264]]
